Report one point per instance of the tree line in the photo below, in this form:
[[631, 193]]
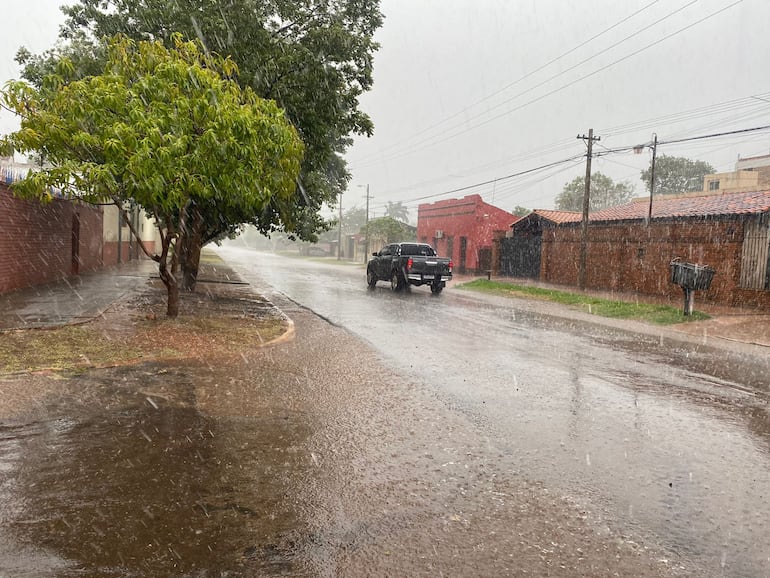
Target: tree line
[[673, 175]]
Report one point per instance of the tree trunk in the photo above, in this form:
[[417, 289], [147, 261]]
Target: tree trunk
[[190, 263], [172, 306], [190, 245], [169, 277]]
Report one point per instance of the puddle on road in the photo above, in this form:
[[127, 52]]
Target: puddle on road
[[140, 482]]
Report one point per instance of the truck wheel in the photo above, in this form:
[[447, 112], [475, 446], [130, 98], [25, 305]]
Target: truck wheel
[[436, 288], [371, 278], [396, 284]]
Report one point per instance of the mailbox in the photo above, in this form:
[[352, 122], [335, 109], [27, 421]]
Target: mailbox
[[690, 277]]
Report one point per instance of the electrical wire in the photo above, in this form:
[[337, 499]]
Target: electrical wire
[[606, 152], [524, 77], [573, 82]]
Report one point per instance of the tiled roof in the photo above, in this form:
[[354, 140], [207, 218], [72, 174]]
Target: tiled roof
[[559, 216], [701, 206], [537, 216]]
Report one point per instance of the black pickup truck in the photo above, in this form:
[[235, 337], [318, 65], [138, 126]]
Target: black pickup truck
[[409, 264]]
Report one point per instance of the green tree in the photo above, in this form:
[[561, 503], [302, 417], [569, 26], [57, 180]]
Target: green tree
[[675, 175], [604, 193], [521, 211], [397, 210], [352, 220], [167, 128], [389, 229], [313, 57]]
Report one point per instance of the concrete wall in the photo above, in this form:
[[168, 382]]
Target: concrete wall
[[36, 240], [635, 258], [737, 181], [119, 245]]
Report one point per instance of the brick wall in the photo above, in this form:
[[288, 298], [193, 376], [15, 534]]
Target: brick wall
[[90, 251], [36, 240], [635, 258]]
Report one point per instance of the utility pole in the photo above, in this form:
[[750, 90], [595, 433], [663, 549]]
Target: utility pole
[[339, 232], [586, 204], [652, 176], [366, 242]]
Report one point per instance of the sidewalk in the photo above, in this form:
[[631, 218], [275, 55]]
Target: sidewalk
[[88, 296], [749, 326], [72, 300]]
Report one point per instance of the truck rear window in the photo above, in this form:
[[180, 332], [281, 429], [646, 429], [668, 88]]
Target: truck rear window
[[413, 249]]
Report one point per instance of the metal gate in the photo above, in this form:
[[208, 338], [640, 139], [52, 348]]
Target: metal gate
[[755, 256], [520, 256]]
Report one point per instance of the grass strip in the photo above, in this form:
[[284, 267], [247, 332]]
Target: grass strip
[[658, 314]]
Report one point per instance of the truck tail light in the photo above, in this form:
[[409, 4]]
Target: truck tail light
[[450, 265], [409, 263]]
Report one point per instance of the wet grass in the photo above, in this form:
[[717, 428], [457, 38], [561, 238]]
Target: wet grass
[[658, 314], [78, 347], [63, 348]]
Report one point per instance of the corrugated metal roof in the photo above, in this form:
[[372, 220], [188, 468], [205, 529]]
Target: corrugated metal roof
[[11, 174]]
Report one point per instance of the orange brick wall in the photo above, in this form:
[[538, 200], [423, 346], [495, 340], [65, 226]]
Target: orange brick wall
[[635, 258], [36, 240]]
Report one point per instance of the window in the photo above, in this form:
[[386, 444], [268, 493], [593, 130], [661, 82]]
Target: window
[[713, 185], [415, 249]]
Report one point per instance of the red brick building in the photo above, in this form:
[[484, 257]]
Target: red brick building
[[729, 232], [40, 243], [463, 230]]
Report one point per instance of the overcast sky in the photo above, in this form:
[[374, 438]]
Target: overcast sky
[[470, 91]]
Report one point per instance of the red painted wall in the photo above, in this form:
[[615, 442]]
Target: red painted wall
[[36, 240], [469, 217]]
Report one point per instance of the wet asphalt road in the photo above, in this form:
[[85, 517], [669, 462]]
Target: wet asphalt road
[[491, 440], [667, 443]]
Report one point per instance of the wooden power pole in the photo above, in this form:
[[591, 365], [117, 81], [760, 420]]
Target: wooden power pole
[[586, 204]]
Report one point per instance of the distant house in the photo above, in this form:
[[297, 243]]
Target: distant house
[[463, 230], [750, 174], [378, 238], [520, 252], [730, 232]]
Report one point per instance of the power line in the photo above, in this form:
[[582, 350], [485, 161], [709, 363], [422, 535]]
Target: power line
[[498, 179], [607, 151], [531, 73], [417, 146], [559, 89], [688, 139]]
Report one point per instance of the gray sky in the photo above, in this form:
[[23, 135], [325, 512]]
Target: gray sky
[[30, 23], [462, 87], [468, 91]]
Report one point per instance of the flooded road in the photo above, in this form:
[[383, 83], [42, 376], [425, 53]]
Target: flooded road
[[490, 441], [665, 442], [311, 457]]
